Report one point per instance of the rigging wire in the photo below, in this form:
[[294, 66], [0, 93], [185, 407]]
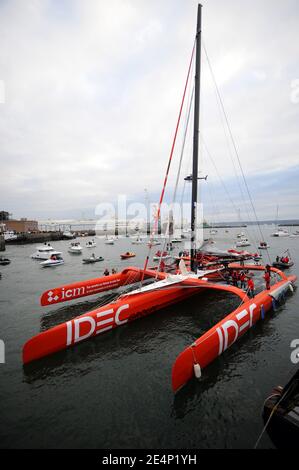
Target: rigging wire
[[234, 146], [178, 176], [222, 181], [157, 216]]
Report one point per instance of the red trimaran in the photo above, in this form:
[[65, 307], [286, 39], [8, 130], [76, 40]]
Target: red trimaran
[[167, 289]]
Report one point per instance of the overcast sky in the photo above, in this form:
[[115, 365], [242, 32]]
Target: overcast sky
[[91, 92]]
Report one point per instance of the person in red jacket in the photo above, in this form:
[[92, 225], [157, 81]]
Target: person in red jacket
[[162, 266], [242, 279], [250, 285], [267, 277], [235, 278]]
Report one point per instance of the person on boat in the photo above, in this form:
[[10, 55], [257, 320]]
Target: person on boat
[[53, 257], [242, 280], [106, 272], [277, 259], [226, 277], [162, 266], [93, 256], [114, 271], [235, 278], [267, 277], [287, 259], [250, 285]]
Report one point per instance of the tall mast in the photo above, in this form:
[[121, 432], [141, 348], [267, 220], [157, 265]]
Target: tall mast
[[195, 141]]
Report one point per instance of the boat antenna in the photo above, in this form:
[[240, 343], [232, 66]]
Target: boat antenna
[[195, 142]]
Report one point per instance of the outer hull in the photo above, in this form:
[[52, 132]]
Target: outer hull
[[126, 309], [221, 336]]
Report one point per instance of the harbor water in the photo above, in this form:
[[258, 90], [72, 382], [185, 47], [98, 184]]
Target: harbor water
[[114, 390]]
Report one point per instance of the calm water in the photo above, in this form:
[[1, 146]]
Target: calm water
[[114, 391]]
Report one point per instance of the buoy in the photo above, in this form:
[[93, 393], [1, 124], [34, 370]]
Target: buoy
[[197, 370]]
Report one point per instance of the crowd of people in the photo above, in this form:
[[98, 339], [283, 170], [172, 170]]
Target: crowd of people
[[245, 281]]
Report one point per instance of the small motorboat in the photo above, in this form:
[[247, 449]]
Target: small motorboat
[[161, 255], [44, 252], [263, 246], [91, 244], [109, 241], [75, 248], [137, 241], [243, 242], [127, 255], [241, 235], [9, 235], [280, 233], [282, 264], [55, 260], [4, 261], [153, 242], [176, 240], [68, 234], [281, 416], [284, 261], [92, 259]]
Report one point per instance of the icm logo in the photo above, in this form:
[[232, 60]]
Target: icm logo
[[2, 352], [295, 353], [51, 298]]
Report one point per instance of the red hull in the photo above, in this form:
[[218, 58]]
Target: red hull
[[95, 286], [221, 336], [126, 309]]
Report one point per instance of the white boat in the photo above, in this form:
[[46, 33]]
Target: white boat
[[164, 256], [153, 243], [241, 235], [280, 233], [10, 235], [176, 240], [68, 234], [109, 241], [75, 248], [55, 260], [91, 244], [137, 241], [263, 246], [45, 252], [243, 242]]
